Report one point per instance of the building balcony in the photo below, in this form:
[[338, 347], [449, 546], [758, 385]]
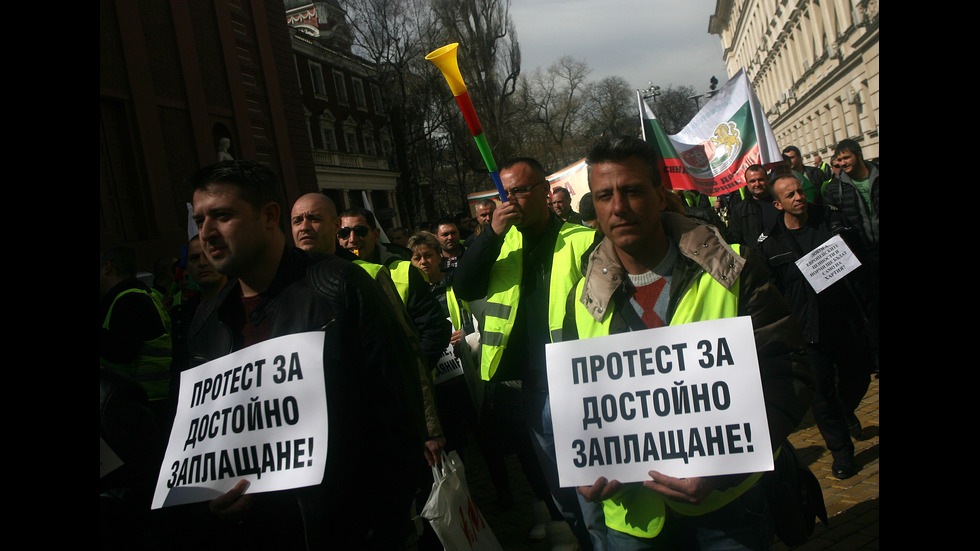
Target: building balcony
[[322, 157]]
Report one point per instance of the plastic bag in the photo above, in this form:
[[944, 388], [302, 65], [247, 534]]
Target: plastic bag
[[451, 511]]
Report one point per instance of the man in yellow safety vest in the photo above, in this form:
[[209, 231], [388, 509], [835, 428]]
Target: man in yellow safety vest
[[655, 268], [525, 263]]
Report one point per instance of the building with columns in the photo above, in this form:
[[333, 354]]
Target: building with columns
[[813, 65], [344, 110]]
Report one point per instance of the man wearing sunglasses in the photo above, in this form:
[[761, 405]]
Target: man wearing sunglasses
[[525, 264], [359, 234]]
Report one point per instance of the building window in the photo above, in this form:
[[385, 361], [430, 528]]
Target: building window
[[350, 136], [360, 100], [341, 85], [367, 132], [316, 74], [376, 95], [329, 138], [308, 118], [327, 132], [385, 144], [299, 79]]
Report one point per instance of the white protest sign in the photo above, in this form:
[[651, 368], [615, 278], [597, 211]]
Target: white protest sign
[[684, 400], [259, 413], [828, 263], [449, 366]]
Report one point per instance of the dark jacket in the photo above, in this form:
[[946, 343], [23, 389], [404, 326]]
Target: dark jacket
[[426, 315], [839, 311], [375, 442], [842, 194], [128, 428], [749, 218]]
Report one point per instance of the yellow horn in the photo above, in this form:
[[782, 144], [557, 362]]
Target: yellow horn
[[445, 60]]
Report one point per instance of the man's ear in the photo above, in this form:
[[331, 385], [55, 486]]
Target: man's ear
[[271, 211]]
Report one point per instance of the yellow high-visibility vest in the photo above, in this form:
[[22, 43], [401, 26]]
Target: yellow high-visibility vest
[[504, 289], [151, 369], [635, 510]]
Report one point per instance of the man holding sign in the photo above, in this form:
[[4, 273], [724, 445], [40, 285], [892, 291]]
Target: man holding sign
[[811, 253], [363, 499], [655, 269]]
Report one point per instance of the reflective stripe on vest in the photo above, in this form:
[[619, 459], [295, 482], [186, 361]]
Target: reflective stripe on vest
[[504, 289], [636, 510], [151, 369]]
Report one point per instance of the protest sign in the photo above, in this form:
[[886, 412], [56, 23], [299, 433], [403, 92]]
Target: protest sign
[[449, 366], [828, 263], [259, 413], [684, 400]]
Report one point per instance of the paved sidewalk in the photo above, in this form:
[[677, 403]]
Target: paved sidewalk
[[852, 504]]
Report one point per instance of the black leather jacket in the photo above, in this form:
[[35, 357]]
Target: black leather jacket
[[373, 406], [842, 194], [838, 313]]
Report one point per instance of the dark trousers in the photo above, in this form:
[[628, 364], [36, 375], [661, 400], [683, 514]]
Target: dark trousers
[[842, 375]]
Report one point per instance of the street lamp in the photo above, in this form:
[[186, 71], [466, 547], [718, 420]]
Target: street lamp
[[651, 92], [711, 91]]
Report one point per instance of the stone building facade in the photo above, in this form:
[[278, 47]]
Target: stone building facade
[[813, 65]]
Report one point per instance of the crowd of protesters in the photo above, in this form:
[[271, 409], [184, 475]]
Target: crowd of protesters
[[487, 289]]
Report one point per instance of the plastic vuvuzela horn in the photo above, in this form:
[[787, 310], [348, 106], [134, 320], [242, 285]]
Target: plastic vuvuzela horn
[[445, 59]]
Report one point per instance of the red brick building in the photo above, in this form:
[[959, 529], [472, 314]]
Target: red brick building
[[176, 77]]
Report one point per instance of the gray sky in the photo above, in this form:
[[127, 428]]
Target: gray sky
[[663, 41]]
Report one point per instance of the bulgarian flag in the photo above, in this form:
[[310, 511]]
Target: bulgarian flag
[[711, 153]]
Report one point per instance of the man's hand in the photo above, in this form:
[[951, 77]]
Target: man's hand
[[232, 505], [433, 450], [688, 490], [456, 336], [507, 214], [602, 489]]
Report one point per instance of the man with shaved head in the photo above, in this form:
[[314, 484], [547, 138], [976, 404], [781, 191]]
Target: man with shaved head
[[315, 223]]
